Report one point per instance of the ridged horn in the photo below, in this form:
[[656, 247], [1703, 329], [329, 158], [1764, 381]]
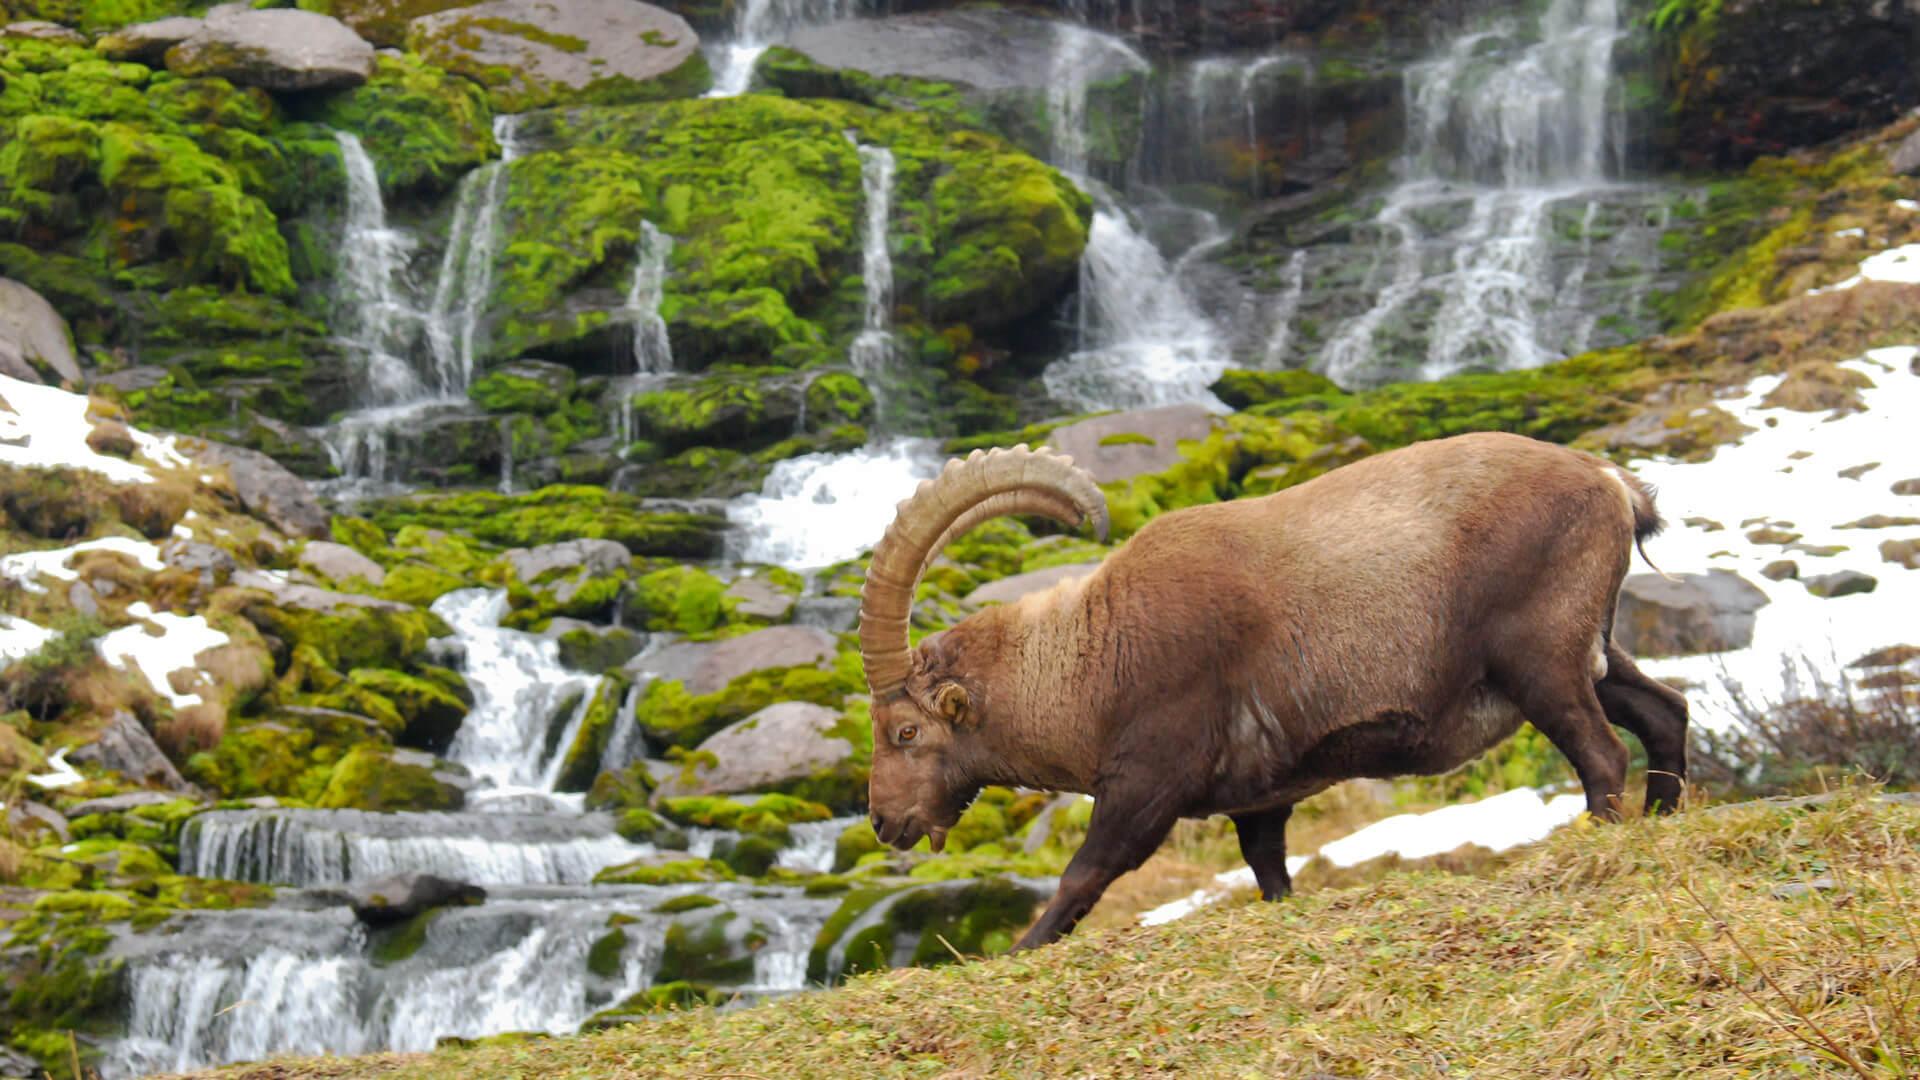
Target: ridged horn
[[986, 484]]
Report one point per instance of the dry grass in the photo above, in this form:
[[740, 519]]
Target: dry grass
[[1654, 948], [1836, 727]]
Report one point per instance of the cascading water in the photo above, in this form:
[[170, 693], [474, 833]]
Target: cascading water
[[1501, 137], [760, 24], [375, 319], [518, 685], [244, 985], [387, 327], [873, 353], [1142, 341], [652, 347]]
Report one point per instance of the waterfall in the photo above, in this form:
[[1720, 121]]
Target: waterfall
[[370, 299], [761, 24], [652, 351], [873, 352], [1286, 307], [819, 509], [465, 280], [518, 682], [1224, 94], [813, 845], [332, 847], [218, 987], [1498, 135], [1142, 340]]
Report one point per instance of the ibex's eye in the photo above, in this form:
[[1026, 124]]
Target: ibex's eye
[[908, 734]]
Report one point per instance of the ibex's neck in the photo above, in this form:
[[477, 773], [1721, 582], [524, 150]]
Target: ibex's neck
[[1050, 688]]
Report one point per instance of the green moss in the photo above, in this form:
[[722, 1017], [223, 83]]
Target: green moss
[[716, 948], [582, 761], [1244, 389], [525, 387], [670, 716], [463, 44], [430, 710], [553, 514], [606, 956], [682, 599], [768, 814], [422, 127], [267, 758], [370, 778], [682, 872], [1011, 233], [392, 944], [690, 902], [351, 636], [628, 788], [838, 397]]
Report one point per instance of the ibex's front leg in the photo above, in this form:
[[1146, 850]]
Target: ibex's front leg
[[1127, 827]]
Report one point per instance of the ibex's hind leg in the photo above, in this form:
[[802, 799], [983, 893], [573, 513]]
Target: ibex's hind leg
[[1563, 705], [1263, 843], [1657, 715]]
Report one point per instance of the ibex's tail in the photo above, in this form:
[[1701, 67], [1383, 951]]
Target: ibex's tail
[[1646, 517]]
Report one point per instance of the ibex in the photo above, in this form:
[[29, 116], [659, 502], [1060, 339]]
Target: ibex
[[1396, 616]]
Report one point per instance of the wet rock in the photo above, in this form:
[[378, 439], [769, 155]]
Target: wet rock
[[533, 53], [1841, 583], [338, 562], [120, 804], [1695, 613], [264, 486], [1901, 552], [279, 49], [707, 666], [147, 42], [1008, 589], [25, 817], [1780, 570], [1130, 444], [388, 900], [772, 750], [834, 614], [40, 30], [124, 746], [759, 598], [34, 335]]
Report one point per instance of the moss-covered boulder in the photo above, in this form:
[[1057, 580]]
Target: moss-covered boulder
[[344, 630], [920, 926], [274, 49], [664, 870], [575, 578], [738, 408], [373, 778], [713, 947], [534, 53], [554, 514], [524, 386], [383, 22], [791, 747], [581, 760], [422, 127]]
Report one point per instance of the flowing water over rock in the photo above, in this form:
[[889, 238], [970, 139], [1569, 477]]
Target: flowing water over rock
[[228, 986], [819, 509], [1512, 146], [873, 353], [376, 318], [761, 24]]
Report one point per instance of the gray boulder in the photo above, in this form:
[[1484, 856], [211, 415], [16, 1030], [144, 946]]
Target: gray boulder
[[388, 900], [32, 332], [707, 666], [986, 50], [264, 486], [281, 49], [123, 746], [1841, 583], [147, 42], [775, 747], [120, 804], [1130, 444], [1009, 589], [534, 53], [1694, 613], [41, 30], [338, 562], [24, 817], [597, 557], [309, 597], [759, 598]]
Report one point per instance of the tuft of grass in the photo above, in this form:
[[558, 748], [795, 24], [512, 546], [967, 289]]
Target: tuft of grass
[[1759, 940], [1837, 727]]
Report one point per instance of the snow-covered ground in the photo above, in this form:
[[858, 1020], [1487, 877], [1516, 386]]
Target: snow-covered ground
[[180, 639], [28, 567], [1787, 474], [46, 426]]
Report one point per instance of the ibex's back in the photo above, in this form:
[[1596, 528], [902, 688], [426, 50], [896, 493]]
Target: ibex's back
[[1399, 615]]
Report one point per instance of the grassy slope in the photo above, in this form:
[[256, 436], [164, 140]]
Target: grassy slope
[[1589, 956]]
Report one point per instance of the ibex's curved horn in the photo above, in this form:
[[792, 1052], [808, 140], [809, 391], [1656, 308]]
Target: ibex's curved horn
[[987, 484]]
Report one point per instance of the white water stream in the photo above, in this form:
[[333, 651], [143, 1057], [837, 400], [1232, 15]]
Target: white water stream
[[761, 24]]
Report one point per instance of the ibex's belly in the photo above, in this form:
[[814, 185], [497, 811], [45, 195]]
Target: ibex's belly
[[1260, 769]]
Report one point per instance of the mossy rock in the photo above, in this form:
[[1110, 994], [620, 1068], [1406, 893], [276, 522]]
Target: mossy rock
[[659, 998], [582, 761], [390, 945], [375, 778], [767, 815], [430, 710], [643, 826], [382, 22], [711, 948], [681, 599], [524, 386], [628, 788], [422, 127], [669, 716], [1244, 389], [920, 926], [554, 514], [597, 648], [352, 635], [607, 955], [676, 872], [279, 758], [742, 409]]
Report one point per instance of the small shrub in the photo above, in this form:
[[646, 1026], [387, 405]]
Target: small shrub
[[1834, 728]]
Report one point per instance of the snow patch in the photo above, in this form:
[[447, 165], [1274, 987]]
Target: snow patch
[[1788, 470], [62, 774], [181, 638], [1901, 264], [1496, 823], [46, 427], [28, 566], [20, 638]]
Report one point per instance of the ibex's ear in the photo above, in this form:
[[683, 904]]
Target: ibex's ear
[[950, 701]]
